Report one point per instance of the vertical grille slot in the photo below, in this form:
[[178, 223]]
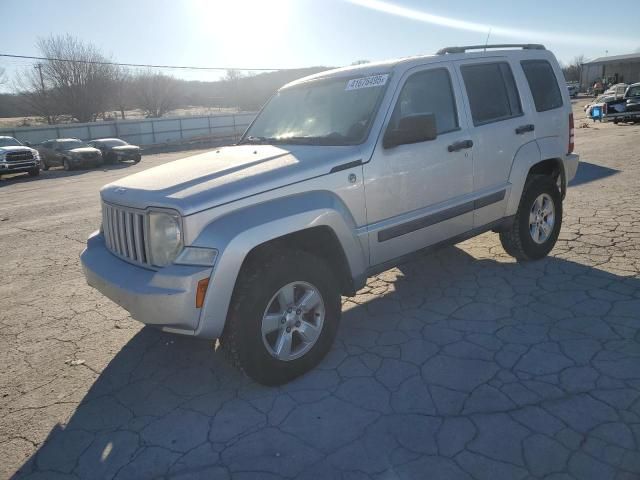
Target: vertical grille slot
[[124, 233]]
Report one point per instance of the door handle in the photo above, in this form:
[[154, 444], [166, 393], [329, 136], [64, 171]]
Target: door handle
[[525, 128], [457, 146]]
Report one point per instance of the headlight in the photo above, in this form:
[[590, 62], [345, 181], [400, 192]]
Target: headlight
[[165, 237], [36, 155]]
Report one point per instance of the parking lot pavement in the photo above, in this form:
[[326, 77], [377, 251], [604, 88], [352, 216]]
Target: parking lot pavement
[[462, 364]]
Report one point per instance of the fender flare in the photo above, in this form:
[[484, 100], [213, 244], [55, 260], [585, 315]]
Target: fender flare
[[527, 156], [236, 234]]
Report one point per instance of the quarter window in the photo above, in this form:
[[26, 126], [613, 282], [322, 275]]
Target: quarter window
[[428, 92], [543, 84], [492, 92]]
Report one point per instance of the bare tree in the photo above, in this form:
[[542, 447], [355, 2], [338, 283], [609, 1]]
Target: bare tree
[[573, 71], [156, 93], [3, 77], [123, 91], [71, 81]]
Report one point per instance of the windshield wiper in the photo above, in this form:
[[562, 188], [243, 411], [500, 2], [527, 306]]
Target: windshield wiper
[[256, 140], [333, 138]]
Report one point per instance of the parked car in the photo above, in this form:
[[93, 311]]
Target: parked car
[[17, 158], [573, 90], [342, 175], [115, 150], [616, 109], [616, 90], [68, 153]]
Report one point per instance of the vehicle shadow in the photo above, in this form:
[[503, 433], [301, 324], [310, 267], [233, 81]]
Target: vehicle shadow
[[167, 404], [590, 172]]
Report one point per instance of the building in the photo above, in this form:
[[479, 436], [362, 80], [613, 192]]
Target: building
[[614, 69]]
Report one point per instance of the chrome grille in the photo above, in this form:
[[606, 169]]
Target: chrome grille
[[125, 232], [19, 156]]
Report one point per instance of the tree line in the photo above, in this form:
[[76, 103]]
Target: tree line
[[75, 84]]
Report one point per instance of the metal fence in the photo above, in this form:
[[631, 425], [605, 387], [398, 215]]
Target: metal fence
[[148, 131]]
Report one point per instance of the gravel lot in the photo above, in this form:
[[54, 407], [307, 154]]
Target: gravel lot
[[462, 364]]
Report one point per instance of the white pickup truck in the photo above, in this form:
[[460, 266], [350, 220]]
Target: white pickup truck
[[341, 175]]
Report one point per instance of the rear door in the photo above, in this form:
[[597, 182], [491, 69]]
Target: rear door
[[551, 107], [500, 127]]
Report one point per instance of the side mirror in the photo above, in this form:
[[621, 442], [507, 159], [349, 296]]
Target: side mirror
[[411, 129]]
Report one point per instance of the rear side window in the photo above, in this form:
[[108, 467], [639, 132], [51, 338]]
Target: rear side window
[[492, 92], [428, 92], [543, 84]]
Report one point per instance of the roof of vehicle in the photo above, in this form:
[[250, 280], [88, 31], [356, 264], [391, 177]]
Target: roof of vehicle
[[6, 136], [63, 140], [630, 57], [522, 51], [106, 139]]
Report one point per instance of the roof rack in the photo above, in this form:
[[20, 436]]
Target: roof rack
[[524, 46]]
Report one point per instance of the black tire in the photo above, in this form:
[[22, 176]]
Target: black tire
[[66, 164], [44, 165], [256, 286], [517, 240], [34, 172]]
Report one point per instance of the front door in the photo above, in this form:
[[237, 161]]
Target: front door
[[418, 194]]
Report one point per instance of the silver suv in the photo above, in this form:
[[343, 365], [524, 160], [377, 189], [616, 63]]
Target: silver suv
[[341, 175]]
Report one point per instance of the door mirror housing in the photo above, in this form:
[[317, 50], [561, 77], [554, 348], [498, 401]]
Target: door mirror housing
[[411, 129]]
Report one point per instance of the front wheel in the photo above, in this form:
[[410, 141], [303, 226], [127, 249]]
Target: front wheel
[[283, 317], [34, 172], [537, 223]]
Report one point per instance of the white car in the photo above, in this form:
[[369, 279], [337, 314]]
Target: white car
[[342, 175], [18, 158]]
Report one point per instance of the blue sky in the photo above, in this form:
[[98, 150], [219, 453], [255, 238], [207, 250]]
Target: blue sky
[[298, 33]]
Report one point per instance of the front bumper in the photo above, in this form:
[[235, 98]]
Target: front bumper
[[18, 167], [163, 298]]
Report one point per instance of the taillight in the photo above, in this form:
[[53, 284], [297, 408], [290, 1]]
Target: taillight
[[572, 134]]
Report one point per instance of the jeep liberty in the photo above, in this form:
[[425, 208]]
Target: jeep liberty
[[341, 175]]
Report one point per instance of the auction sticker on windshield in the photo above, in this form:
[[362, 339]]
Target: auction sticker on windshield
[[367, 82]]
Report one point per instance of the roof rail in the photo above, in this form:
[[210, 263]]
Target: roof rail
[[524, 46]]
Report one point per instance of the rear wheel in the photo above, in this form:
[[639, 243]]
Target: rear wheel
[[283, 317], [537, 223]]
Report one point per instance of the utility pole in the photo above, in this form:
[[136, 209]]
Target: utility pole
[[38, 66]]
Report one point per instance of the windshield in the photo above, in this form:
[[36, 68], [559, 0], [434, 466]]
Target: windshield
[[113, 143], [634, 91], [9, 142], [71, 144], [325, 112]]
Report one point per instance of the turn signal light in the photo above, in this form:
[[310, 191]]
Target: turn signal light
[[201, 292]]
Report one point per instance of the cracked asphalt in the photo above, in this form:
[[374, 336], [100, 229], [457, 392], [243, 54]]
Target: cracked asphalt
[[460, 365]]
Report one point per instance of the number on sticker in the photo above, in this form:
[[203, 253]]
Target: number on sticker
[[367, 82]]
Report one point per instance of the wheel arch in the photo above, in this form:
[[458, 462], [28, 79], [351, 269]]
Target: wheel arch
[[316, 222], [531, 160]]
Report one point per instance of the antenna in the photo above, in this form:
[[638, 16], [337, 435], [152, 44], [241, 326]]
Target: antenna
[[487, 40]]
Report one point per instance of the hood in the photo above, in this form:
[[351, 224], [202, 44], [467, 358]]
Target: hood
[[16, 148], [81, 150], [221, 176]]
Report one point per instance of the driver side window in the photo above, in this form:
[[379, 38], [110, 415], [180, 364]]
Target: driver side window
[[425, 92]]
